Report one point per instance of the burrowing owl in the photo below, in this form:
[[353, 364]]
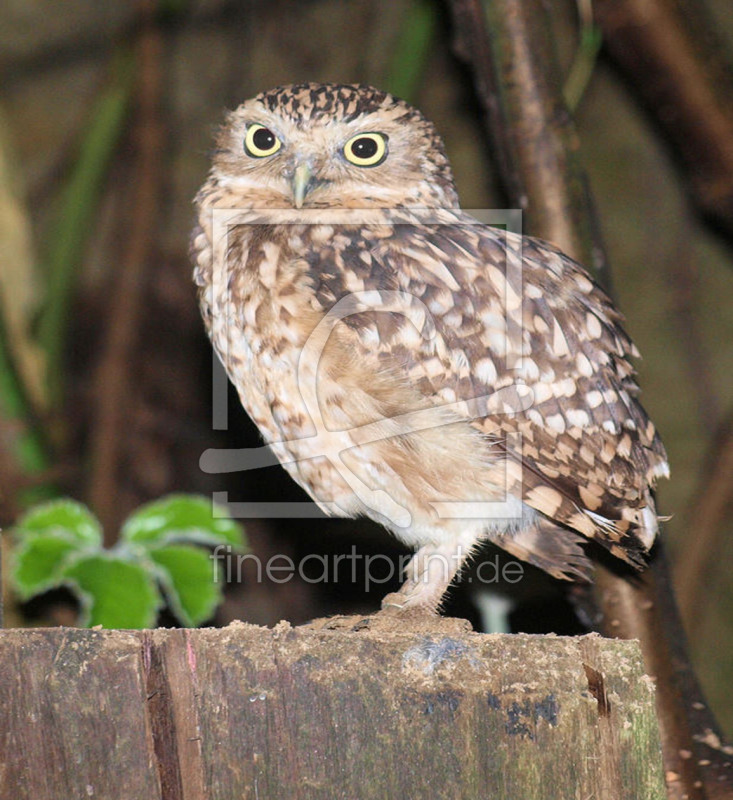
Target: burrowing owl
[[452, 380]]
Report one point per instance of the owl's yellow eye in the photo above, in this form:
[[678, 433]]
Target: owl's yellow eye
[[366, 149], [260, 141]]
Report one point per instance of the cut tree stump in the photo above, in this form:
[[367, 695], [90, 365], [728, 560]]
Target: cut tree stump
[[374, 707]]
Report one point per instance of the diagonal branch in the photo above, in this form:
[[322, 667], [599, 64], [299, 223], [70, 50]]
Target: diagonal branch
[[507, 42], [672, 55], [532, 133]]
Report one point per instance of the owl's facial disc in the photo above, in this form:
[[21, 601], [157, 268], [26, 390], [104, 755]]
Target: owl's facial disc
[[329, 147]]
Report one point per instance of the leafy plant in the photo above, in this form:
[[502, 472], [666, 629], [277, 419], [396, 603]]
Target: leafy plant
[[162, 545]]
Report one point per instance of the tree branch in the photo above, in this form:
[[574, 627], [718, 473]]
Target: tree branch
[[518, 89], [672, 55], [508, 44]]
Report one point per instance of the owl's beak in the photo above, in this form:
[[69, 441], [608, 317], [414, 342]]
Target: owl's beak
[[302, 183]]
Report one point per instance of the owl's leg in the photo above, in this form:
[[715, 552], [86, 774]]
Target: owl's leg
[[429, 574]]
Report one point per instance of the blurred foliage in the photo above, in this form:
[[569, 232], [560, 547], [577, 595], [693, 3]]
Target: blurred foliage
[[28, 448], [79, 204], [22, 366], [31, 383], [59, 544], [412, 50], [589, 46]]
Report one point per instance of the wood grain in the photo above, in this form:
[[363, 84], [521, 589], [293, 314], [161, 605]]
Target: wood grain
[[346, 708]]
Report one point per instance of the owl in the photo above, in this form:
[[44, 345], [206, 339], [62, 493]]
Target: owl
[[454, 381]]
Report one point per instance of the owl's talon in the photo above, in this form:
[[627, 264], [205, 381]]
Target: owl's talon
[[394, 602]]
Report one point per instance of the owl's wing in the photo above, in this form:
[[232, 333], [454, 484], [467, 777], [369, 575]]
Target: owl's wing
[[502, 310]]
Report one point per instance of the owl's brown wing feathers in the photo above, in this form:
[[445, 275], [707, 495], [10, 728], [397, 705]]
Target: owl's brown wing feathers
[[500, 310]]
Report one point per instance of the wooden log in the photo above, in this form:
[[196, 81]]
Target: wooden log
[[373, 707]]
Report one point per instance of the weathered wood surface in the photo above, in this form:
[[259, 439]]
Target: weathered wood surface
[[348, 708]]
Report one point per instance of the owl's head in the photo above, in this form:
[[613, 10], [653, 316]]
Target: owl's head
[[332, 146]]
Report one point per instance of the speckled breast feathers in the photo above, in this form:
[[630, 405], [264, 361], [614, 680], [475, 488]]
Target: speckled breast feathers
[[405, 362]]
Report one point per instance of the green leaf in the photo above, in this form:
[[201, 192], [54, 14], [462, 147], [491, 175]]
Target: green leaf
[[39, 561], [182, 517], [190, 578], [73, 518], [114, 593]]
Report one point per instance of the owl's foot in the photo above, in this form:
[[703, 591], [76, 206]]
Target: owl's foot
[[412, 601], [396, 603], [429, 574]]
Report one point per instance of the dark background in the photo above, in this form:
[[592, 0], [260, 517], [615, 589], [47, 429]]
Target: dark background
[[672, 272]]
